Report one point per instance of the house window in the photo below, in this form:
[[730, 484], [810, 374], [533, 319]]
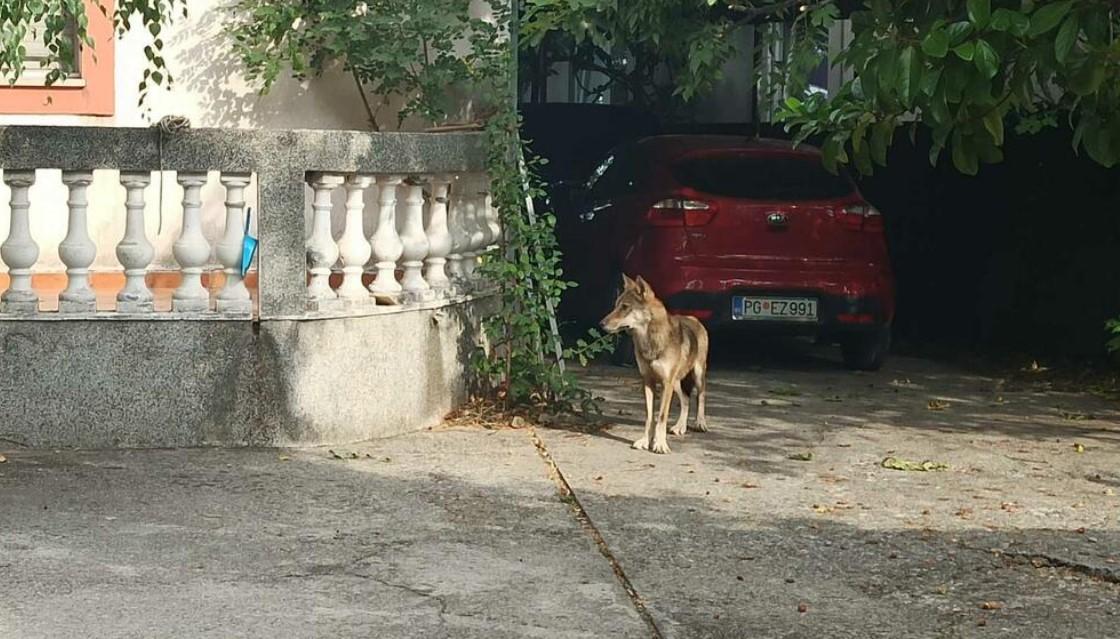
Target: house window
[[87, 90]]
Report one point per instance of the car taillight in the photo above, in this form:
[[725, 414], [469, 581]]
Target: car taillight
[[861, 218], [680, 212]]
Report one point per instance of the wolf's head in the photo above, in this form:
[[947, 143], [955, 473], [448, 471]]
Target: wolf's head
[[634, 307]]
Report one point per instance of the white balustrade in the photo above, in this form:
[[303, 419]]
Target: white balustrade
[[19, 251], [353, 246], [134, 251], [77, 250], [460, 237], [234, 297], [387, 246], [414, 247], [322, 252], [439, 238], [191, 250]]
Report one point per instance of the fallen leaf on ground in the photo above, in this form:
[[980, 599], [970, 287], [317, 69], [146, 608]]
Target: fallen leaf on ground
[[3, 459], [964, 513], [1009, 506], [991, 605], [785, 392], [282, 458], [937, 404], [1078, 448], [1077, 417], [801, 456], [896, 463]]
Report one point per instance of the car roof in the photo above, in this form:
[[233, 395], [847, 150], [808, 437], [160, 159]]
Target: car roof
[[677, 145]]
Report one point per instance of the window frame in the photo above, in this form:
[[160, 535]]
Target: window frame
[[94, 93]]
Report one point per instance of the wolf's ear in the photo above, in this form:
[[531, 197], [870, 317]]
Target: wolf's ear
[[643, 288], [627, 283]]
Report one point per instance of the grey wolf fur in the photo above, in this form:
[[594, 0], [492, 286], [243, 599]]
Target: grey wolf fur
[[671, 351]]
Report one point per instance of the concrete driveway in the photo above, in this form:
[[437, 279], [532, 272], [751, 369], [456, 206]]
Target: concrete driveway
[[780, 522], [783, 522]]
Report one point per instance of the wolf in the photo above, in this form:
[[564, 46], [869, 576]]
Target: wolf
[[671, 352]]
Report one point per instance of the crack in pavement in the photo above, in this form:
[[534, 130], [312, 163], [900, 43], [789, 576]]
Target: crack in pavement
[[568, 496]]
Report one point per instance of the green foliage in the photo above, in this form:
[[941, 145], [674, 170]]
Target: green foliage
[[1113, 328], [409, 49], [662, 52], [961, 69], [519, 368], [61, 24]]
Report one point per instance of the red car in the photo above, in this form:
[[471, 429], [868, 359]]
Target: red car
[[734, 230]]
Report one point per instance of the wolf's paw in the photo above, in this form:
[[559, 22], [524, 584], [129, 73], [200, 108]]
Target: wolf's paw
[[661, 448], [679, 429], [640, 444], [701, 426]]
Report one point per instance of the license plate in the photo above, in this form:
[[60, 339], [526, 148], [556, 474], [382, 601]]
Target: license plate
[[790, 309]]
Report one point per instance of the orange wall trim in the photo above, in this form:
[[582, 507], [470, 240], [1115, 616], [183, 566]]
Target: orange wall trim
[[97, 97]]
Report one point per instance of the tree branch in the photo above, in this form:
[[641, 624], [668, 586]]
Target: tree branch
[[365, 100]]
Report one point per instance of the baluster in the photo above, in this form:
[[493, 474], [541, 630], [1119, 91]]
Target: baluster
[[353, 245], [234, 298], [415, 247], [387, 247], [439, 238], [493, 220], [77, 251], [477, 230], [492, 223], [459, 237], [134, 251], [322, 252], [19, 251], [191, 250]]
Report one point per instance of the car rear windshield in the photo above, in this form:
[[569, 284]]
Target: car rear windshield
[[762, 178]]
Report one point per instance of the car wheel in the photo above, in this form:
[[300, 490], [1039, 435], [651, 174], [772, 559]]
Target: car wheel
[[866, 351]]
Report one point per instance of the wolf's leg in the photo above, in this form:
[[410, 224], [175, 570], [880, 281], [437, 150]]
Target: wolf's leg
[[659, 444], [702, 393], [647, 434], [682, 422]]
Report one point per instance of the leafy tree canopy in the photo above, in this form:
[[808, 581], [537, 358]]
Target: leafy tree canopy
[[961, 68]]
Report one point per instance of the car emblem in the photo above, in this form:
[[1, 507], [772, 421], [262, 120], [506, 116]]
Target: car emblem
[[777, 219]]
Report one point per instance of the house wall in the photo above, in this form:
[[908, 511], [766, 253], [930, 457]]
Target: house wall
[[211, 91]]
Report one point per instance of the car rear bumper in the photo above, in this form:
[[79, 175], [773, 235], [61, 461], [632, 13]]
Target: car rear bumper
[[860, 299]]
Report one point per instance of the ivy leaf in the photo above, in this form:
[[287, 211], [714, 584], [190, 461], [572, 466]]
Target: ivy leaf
[[993, 122], [966, 51], [881, 135], [979, 12], [909, 79], [936, 44], [1067, 37], [986, 58], [958, 31], [964, 158], [1047, 17], [1087, 79]]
